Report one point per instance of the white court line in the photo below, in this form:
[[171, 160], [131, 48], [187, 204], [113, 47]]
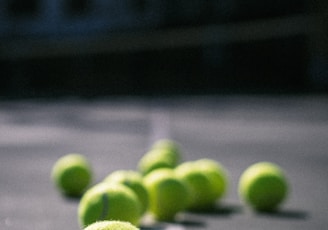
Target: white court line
[[160, 124], [174, 227]]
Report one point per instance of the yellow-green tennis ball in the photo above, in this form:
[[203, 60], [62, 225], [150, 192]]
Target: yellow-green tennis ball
[[263, 186], [109, 201], [167, 194], [172, 146], [217, 173], [202, 193], [111, 225], [133, 180], [157, 158], [72, 174]]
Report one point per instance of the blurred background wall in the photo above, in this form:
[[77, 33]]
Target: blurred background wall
[[162, 47]]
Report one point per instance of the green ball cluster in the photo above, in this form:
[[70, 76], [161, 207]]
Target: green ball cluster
[[175, 185], [162, 186]]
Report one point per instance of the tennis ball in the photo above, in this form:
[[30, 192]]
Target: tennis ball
[[167, 194], [72, 174], [217, 174], [109, 201], [111, 225], [163, 154], [133, 180], [171, 146], [202, 191], [263, 186]]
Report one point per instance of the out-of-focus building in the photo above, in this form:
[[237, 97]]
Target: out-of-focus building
[[186, 46], [81, 17]]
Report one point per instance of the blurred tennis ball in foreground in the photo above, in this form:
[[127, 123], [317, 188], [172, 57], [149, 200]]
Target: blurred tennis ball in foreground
[[72, 174], [111, 225], [109, 201], [206, 182], [167, 194], [263, 186], [133, 180], [163, 154]]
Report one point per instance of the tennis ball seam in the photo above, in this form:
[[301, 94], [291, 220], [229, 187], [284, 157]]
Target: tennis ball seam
[[105, 209]]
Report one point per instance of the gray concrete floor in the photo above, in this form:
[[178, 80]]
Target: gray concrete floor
[[114, 133]]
